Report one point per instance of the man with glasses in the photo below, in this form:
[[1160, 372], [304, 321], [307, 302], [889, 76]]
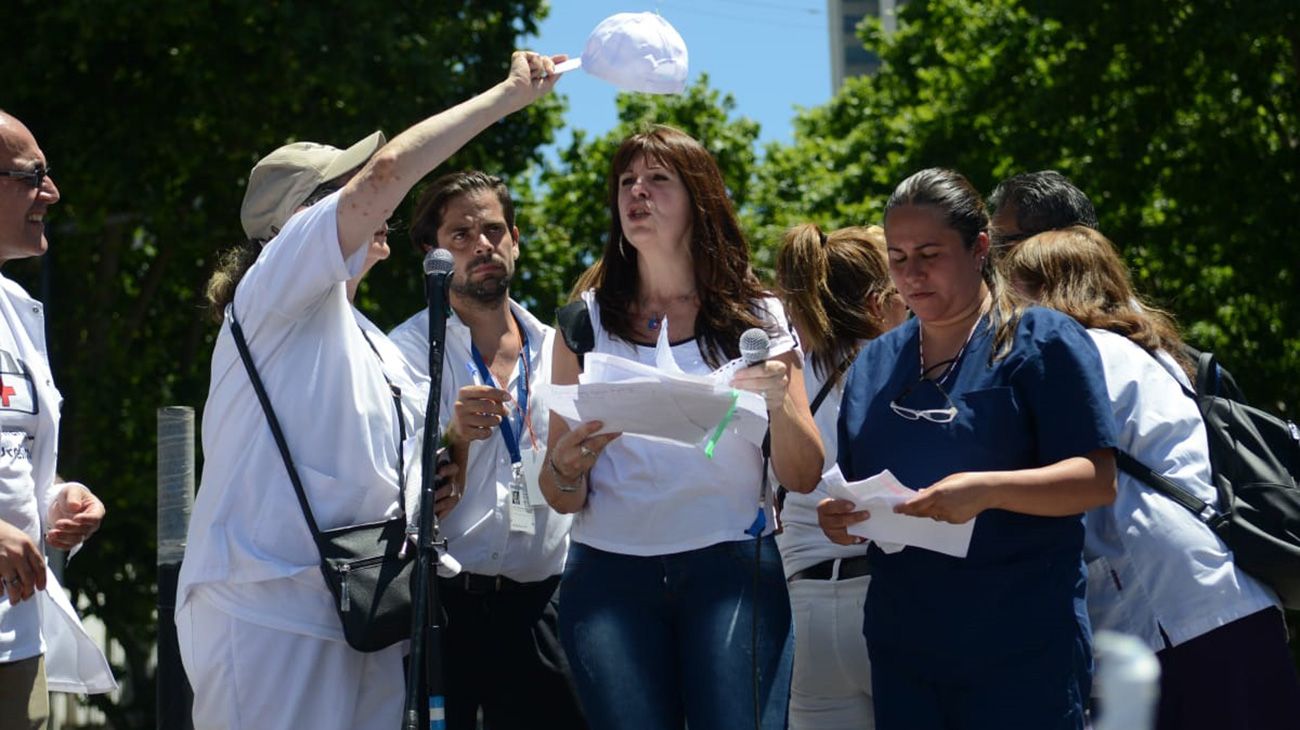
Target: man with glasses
[[37, 509], [1027, 204]]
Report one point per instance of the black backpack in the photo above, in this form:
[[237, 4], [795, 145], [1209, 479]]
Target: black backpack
[[574, 321], [1255, 462]]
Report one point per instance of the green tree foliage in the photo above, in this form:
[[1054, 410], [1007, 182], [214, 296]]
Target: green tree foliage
[[151, 114], [564, 217], [1180, 119]]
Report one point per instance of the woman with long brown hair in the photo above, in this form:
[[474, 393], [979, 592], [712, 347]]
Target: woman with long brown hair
[[1154, 570], [670, 612], [837, 290]]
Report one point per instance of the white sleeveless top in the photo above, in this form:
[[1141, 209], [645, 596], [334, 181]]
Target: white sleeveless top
[[650, 496]]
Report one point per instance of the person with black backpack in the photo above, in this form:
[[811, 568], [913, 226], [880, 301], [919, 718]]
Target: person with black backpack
[[1154, 569]]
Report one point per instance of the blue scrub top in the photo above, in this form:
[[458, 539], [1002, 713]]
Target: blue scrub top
[[1021, 587]]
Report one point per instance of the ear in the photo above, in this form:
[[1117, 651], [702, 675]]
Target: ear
[[426, 248], [981, 249], [876, 306], [514, 235]]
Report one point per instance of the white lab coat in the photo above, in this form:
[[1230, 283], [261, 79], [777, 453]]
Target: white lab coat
[[73, 661]]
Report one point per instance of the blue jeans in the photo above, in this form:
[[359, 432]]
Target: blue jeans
[[658, 642]]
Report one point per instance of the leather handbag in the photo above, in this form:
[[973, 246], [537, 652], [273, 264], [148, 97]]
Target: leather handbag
[[366, 567]]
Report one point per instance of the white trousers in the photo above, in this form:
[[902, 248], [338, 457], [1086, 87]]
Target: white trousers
[[831, 687], [251, 677]]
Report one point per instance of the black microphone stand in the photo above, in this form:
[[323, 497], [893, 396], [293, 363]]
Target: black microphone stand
[[754, 347], [424, 668]]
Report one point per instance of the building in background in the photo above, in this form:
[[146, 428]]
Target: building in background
[[848, 57]]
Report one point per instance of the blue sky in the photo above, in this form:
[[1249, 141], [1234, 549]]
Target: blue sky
[[771, 55]]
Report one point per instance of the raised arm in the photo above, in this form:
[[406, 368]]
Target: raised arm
[[369, 198]]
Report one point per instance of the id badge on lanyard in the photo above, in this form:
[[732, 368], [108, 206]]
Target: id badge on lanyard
[[525, 465]]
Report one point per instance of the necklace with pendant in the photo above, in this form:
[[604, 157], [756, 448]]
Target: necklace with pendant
[[656, 318]]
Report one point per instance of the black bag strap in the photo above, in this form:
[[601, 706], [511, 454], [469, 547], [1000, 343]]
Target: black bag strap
[[242, 345], [1213, 379], [830, 383], [272, 421], [401, 422], [821, 395], [575, 325], [817, 400], [1204, 511]]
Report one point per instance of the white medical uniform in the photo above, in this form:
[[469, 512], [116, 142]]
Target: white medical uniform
[[478, 530], [1154, 569], [831, 683], [29, 441], [258, 632]]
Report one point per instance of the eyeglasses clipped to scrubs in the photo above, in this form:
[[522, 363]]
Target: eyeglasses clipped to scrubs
[[933, 415]]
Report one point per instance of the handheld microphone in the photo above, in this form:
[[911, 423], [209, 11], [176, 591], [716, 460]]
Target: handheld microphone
[[754, 346]]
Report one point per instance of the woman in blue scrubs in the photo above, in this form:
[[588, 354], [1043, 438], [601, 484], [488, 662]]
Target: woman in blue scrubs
[[996, 413]]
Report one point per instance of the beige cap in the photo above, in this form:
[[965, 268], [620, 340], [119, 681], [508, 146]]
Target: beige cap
[[281, 181]]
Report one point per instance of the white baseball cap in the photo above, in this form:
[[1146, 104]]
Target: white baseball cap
[[635, 52]]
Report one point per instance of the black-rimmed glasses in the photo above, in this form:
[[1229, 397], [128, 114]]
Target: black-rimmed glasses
[[933, 415], [34, 177]]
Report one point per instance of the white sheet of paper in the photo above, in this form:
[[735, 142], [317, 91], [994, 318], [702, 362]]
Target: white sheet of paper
[[878, 494], [659, 401], [683, 412]]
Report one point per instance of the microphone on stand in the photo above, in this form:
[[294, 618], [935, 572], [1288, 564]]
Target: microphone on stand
[[438, 265], [424, 669]]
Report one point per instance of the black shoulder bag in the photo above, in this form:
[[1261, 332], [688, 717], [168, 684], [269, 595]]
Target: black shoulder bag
[[365, 566]]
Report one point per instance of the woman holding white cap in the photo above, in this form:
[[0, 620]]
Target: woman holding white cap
[[671, 613], [259, 635]]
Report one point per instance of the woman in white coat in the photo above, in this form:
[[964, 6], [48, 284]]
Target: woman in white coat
[[1154, 569]]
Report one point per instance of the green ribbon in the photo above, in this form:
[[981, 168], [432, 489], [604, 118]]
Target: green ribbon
[[722, 425]]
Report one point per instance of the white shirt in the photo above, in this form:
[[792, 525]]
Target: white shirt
[[29, 439], [802, 542], [249, 547], [651, 496], [478, 528], [1151, 563]]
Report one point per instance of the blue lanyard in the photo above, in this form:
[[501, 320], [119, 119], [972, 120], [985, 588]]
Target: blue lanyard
[[507, 429]]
